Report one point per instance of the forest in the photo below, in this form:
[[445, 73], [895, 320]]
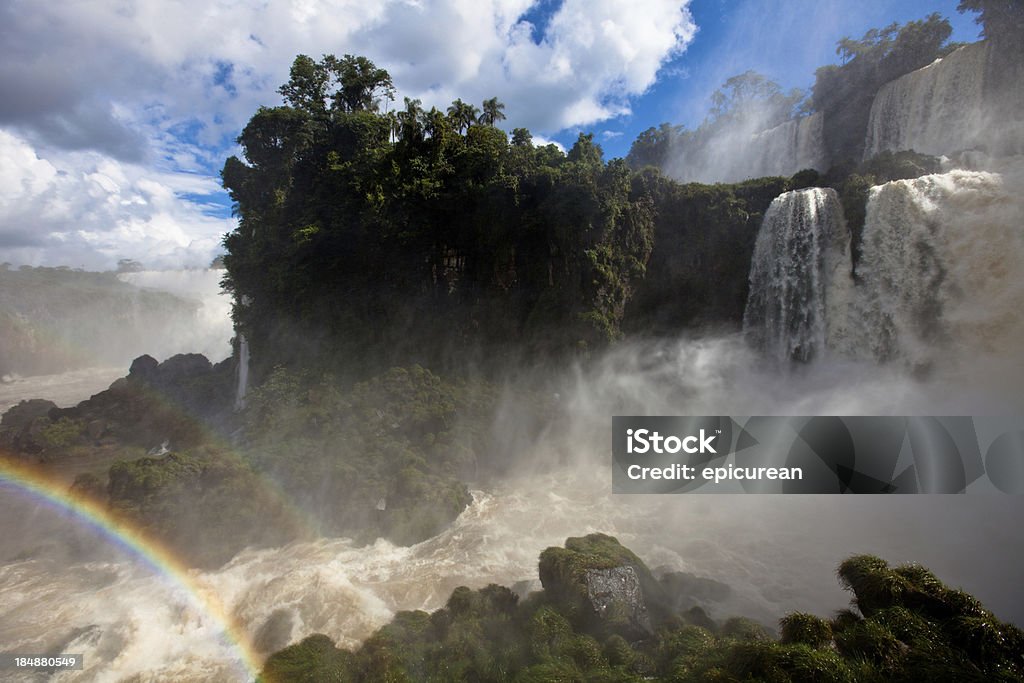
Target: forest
[[405, 235]]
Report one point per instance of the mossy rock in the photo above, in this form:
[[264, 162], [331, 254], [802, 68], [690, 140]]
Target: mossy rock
[[314, 660], [603, 586]]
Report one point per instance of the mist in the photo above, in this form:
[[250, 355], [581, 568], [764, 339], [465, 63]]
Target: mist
[[209, 331], [59, 320], [776, 553]]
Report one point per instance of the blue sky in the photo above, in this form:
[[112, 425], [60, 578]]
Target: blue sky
[[784, 39], [116, 116]]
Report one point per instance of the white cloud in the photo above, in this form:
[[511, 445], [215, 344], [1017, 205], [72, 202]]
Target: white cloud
[[540, 141], [87, 209], [118, 66], [109, 87]]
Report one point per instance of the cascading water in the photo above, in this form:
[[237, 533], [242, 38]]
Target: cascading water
[[800, 276], [942, 268], [787, 148], [243, 372], [746, 149], [939, 109]]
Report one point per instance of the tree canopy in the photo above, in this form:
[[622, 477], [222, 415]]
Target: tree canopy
[[378, 231]]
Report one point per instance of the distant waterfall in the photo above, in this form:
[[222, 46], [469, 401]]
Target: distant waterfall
[[243, 372], [789, 147], [942, 268], [800, 279], [940, 109], [745, 149]]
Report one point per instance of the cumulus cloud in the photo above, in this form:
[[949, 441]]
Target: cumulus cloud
[[99, 75], [149, 84], [88, 210]]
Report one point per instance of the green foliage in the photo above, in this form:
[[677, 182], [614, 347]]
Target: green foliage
[[846, 92], [345, 85], [490, 636], [1002, 21], [750, 95], [493, 111], [61, 434], [744, 630], [418, 236], [314, 660], [384, 458], [653, 146], [175, 496], [797, 627]]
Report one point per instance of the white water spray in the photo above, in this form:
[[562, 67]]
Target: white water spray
[[800, 280], [942, 272], [747, 149], [787, 148], [209, 332]]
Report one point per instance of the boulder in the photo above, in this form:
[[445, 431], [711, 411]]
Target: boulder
[[21, 427], [615, 597], [602, 586], [143, 369]]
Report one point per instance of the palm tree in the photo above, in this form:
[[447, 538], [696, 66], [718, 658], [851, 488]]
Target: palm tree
[[462, 114], [493, 112], [410, 124]]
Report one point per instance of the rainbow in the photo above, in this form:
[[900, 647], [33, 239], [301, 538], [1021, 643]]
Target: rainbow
[[142, 546]]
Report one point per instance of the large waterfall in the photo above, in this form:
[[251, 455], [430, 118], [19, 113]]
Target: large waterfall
[[951, 105], [939, 281], [942, 271], [800, 278]]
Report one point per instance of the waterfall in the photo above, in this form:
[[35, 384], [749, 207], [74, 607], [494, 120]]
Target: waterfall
[[800, 279], [942, 267], [243, 372], [940, 109], [746, 149], [788, 148]]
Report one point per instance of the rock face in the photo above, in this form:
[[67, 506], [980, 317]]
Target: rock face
[[615, 596], [603, 585], [175, 401], [187, 379], [21, 427]]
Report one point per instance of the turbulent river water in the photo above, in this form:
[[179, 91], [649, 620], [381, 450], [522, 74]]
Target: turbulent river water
[[64, 587]]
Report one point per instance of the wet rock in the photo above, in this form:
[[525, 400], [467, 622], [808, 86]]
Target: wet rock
[[604, 585], [616, 598]]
